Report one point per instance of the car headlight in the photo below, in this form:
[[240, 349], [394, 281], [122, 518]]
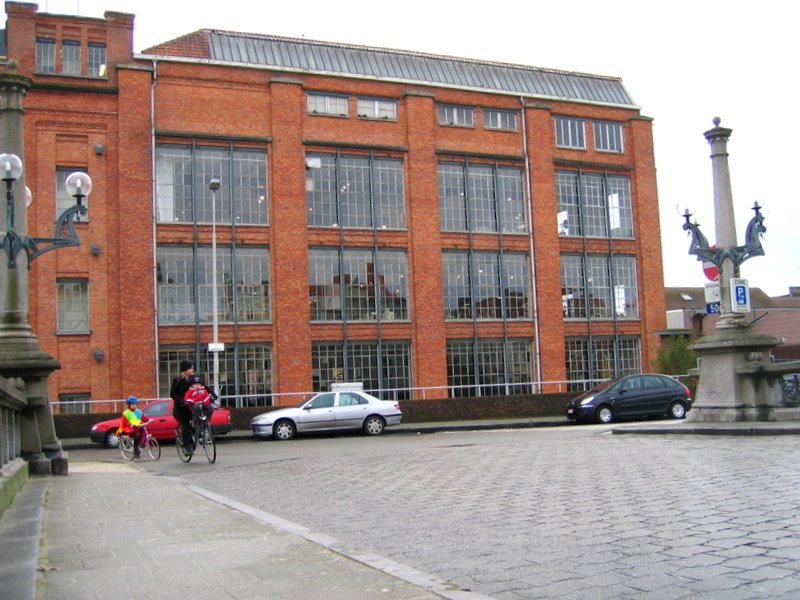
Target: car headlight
[[260, 420], [94, 427], [587, 401]]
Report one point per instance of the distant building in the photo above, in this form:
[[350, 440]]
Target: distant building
[[778, 316], [407, 220]]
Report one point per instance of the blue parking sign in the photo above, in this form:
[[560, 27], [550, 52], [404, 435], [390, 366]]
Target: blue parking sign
[[740, 295]]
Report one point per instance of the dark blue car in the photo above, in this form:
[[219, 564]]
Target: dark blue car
[[634, 396]]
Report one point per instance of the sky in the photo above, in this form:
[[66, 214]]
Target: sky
[[683, 62]]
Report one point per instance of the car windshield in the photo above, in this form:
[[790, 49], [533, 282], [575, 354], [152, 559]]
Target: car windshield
[[598, 388]]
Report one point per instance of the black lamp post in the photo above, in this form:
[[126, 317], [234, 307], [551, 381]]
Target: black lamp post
[[79, 186]]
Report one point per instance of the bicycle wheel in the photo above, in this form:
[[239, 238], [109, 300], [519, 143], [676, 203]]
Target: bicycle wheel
[[183, 453], [126, 447], [208, 442], [152, 447]]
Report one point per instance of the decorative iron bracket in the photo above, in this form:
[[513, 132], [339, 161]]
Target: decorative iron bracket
[[737, 254], [65, 232]]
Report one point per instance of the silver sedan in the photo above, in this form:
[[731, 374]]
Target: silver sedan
[[329, 411]]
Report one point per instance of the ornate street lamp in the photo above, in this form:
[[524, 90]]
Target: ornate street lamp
[[79, 186]]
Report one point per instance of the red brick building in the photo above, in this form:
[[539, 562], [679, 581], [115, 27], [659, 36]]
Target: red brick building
[[402, 219]]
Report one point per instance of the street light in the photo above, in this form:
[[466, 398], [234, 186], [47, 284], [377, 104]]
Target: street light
[[214, 347], [79, 186]]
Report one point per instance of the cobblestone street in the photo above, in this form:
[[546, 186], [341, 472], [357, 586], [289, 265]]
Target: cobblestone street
[[603, 516]]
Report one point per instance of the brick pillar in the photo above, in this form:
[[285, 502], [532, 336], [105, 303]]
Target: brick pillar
[[429, 360], [129, 195], [547, 259], [291, 348]]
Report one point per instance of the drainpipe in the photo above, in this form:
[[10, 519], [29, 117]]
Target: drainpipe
[[154, 219], [529, 210]]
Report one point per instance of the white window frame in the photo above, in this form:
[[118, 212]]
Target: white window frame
[[377, 108], [330, 105], [71, 57], [456, 116], [63, 199], [570, 132], [45, 55], [497, 119], [608, 137], [72, 318]]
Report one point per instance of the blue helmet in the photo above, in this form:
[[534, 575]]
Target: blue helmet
[[132, 400]]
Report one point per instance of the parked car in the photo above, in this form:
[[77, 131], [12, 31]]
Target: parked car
[[646, 395], [162, 423], [329, 411]]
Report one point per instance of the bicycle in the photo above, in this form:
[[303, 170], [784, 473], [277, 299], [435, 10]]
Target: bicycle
[[149, 444], [202, 434]]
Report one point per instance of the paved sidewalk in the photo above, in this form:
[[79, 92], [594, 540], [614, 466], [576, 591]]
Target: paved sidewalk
[[109, 524]]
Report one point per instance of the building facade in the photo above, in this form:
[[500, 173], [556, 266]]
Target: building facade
[[430, 226]]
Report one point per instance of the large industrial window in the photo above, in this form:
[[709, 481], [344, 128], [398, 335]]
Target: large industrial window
[[45, 55], [320, 104], [486, 285], [75, 404], [185, 295], [608, 136], [489, 367], [592, 360], [73, 306], [463, 116], [371, 285], [594, 205], [599, 286], [570, 132], [481, 198], [245, 371], [383, 367], [63, 199], [355, 192], [182, 185], [505, 120]]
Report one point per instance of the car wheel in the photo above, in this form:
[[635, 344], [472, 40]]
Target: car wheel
[[374, 425], [604, 415], [677, 410], [111, 440], [283, 430]]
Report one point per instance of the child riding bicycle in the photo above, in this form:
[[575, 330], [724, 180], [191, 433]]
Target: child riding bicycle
[[131, 424]]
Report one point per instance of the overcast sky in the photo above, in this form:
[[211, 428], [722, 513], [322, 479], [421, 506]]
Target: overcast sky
[[684, 62]]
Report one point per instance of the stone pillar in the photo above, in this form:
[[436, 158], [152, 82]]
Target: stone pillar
[[725, 222], [20, 353]]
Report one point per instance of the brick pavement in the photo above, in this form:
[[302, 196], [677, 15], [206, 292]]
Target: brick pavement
[[604, 516]]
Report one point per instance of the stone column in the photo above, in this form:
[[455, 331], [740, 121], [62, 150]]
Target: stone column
[[20, 353], [725, 222]]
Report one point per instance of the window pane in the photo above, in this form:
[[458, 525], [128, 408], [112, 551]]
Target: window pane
[[389, 192], [74, 404], [354, 197], [594, 207], [323, 285], [383, 367], [393, 288], [608, 136], [570, 133], [511, 201], [486, 286], [452, 198], [619, 207], [370, 108], [456, 115], [175, 280], [97, 60], [73, 306], [488, 367], [63, 199], [481, 200], [206, 286], [626, 295], [71, 57], [174, 184], [358, 285], [321, 193], [250, 188], [457, 296], [598, 280], [569, 220], [252, 284], [45, 55], [573, 298], [516, 284], [328, 105], [499, 119]]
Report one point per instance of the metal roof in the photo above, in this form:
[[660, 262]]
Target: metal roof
[[398, 65]]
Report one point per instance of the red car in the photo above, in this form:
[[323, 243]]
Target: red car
[[162, 424]]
